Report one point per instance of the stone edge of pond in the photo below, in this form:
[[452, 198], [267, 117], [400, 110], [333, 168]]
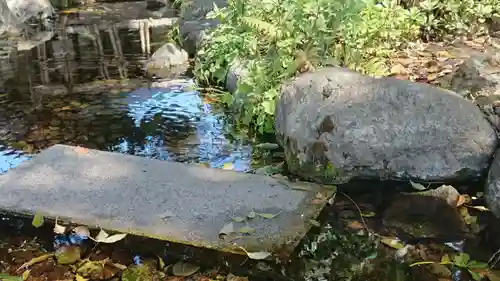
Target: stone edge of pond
[[281, 244], [282, 252]]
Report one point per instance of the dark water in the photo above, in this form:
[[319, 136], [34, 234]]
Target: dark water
[[67, 91]]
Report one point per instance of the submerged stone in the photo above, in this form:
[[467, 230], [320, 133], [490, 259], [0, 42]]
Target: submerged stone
[[171, 201]]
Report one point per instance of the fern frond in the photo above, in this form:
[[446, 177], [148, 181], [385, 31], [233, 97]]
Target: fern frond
[[262, 26]]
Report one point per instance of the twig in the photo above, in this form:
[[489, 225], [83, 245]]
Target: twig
[[359, 210], [494, 258]]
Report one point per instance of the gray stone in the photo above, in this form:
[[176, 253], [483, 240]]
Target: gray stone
[[237, 71], [194, 32], [198, 9], [165, 200], [492, 189], [336, 124], [479, 75], [478, 79], [168, 61]]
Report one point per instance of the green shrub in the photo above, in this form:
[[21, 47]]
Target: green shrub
[[452, 17], [276, 39]]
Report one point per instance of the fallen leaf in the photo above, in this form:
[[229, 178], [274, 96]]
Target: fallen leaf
[[369, 214], [113, 238], [417, 186], [251, 215], [228, 166], [314, 223], [37, 220], [227, 229], [184, 269], [161, 263], [34, 261], [462, 199], [101, 235], [392, 242], [26, 274], [104, 237], [398, 69], [300, 187], [78, 277], [267, 146], [81, 150], [356, 225], [246, 230], [268, 216], [238, 219], [258, 255], [480, 208], [59, 229], [82, 231], [232, 277]]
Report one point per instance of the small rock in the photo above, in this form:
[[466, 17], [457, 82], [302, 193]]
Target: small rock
[[479, 75], [193, 33], [236, 72], [417, 216], [168, 61], [339, 124]]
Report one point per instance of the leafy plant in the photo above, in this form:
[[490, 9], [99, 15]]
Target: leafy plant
[[457, 16], [274, 40], [277, 39], [462, 261]]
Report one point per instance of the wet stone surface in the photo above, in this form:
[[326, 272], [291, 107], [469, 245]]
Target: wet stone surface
[[171, 201]]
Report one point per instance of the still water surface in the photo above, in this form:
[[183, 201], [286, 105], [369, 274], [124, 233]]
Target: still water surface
[[70, 92]]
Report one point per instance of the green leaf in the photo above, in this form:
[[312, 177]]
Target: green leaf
[[238, 219], [417, 186], [475, 275], [37, 220], [268, 216], [246, 230], [269, 106], [477, 265]]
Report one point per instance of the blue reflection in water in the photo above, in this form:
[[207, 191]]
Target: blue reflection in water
[[10, 158], [171, 123], [186, 128]]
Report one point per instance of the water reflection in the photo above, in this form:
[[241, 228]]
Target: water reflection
[[84, 87]]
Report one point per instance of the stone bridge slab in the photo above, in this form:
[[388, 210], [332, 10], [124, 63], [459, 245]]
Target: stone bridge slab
[[182, 203]]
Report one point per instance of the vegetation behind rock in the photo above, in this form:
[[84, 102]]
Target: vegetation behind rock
[[277, 39]]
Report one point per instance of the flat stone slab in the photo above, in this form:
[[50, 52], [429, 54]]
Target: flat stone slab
[[182, 203]]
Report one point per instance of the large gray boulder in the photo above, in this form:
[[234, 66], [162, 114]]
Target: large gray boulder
[[336, 124], [492, 189]]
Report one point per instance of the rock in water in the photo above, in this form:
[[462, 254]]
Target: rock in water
[[336, 124], [492, 189], [168, 61]]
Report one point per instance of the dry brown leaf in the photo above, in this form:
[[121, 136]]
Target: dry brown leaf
[[355, 225], [81, 150], [463, 199], [398, 69], [232, 277]]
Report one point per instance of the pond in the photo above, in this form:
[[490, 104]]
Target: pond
[[103, 101]]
